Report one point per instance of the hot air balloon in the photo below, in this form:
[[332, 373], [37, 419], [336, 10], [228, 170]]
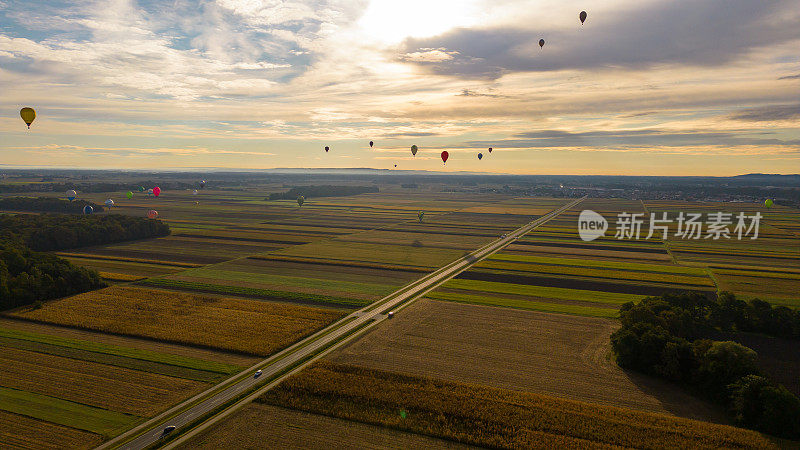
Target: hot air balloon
[[541, 43], [371, 144], [582, 16], [152, 214], [395, 165], [300, 200], [28, 115], [414, 150], [156, 191], [109, 203], [129, 195], [480, 156], [327, 148], [445, 155], [196, 203], [490, 149], [202, 184], [194, 191], [71, 194], [141, 188], [768, 203], [149, 192], [88, 210], [420, 215]]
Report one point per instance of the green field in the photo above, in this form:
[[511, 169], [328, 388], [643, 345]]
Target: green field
[[63, 412], [139, 359]]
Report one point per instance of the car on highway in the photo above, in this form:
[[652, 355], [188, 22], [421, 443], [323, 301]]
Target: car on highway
[[168, 429], [390, 315], [257, 374]]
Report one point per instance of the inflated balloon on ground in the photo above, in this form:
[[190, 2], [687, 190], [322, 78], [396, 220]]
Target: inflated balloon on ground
[[129, 195], [88, 210], [156, 191], [152, 214], [71, 194], [768, 203], [300, 200]]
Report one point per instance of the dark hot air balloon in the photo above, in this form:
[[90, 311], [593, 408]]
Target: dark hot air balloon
[[582, 16], [480, 156], [541, 43], [490, 149], [327, 148], [28, 115], [371, 144]]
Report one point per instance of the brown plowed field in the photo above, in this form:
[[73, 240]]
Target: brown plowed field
[[559, 355]]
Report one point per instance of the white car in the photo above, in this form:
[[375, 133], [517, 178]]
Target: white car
[[257, 374]]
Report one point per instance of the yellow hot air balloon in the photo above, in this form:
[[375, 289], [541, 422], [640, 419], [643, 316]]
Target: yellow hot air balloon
[[28, 115]]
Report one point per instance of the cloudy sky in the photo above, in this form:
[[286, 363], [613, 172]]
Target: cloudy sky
[[707, 87]]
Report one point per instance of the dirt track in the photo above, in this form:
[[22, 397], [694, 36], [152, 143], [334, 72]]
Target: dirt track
[[560, 355]]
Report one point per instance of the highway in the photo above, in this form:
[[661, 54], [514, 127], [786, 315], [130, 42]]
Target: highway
[[277, 367]]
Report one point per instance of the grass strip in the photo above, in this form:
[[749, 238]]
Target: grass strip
[[67, 413], [123, 352], [532, 305], [542, 291]]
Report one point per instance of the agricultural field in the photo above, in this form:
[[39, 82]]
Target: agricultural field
[[258, 423], [491, 417], [237, 325], [67, 387], [553, 354]]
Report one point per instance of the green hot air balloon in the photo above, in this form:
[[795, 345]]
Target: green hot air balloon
[[129, 195], [420, 215], [141, 188], [300, 200], [768, 203]]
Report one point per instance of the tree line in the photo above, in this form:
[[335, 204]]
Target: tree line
[[47, 204], [51, 232], [665, 336], [322, 191]]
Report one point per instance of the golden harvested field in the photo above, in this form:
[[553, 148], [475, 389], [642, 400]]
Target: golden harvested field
[[553, 354], [492, 417], [257, 424], [115, 388], [23, 432], [129, 341], [239, 325]]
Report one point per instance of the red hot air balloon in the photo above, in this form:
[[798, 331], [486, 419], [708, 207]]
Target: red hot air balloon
[[152, 214], [445, 155], [490, 149], [582, 16], [156, 191]]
